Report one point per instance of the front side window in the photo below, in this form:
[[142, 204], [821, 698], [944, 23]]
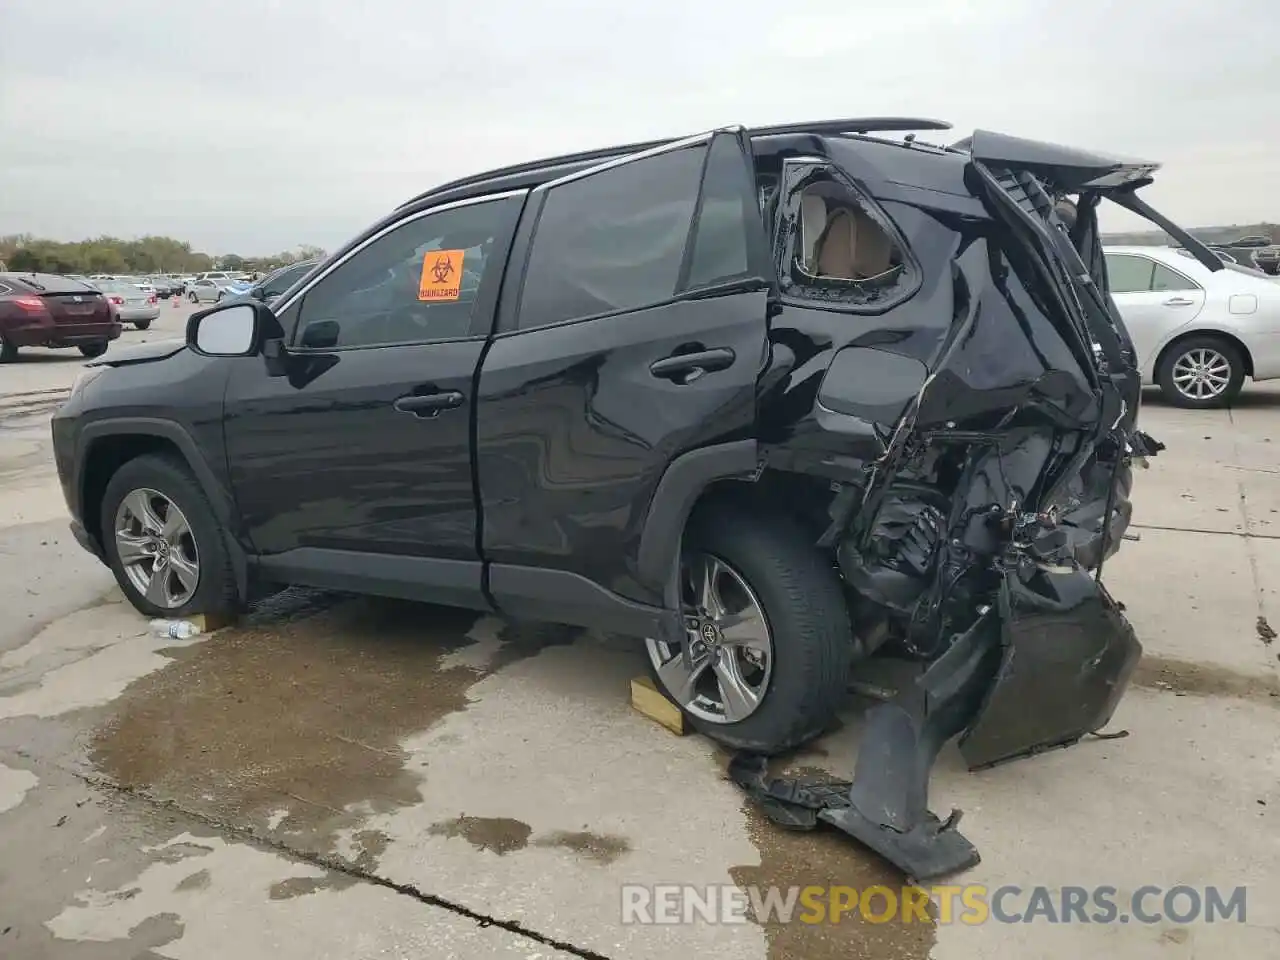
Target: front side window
[[614, 240], [1129, 274], [416, 283]]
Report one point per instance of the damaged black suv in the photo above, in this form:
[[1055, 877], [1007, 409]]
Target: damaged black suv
[[772, 399]]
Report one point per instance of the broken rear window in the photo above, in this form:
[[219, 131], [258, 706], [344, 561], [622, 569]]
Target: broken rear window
[[842, 252]]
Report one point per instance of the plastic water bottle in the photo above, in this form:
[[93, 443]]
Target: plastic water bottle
[[174, 629]]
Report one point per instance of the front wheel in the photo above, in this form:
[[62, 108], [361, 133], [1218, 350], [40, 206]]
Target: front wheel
[[93, 349], [163, 541], [769, 634], [193, 298], [1201, 372]]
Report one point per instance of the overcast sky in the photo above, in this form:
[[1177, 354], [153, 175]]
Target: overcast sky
[[257, 125]]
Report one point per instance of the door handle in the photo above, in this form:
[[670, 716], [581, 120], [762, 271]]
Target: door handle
[[429, 405], [686, 367], [1178, 302]]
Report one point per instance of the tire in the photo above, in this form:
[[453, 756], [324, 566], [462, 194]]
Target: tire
[[141, 324], [167, 477], [804, 607], [1201, 352], [193, 298], [94, 349], [8, 351]]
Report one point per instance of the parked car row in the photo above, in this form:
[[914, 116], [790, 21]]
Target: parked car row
[[49, 310], [163, 286]]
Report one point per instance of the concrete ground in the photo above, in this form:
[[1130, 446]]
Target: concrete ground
[[354, 778]]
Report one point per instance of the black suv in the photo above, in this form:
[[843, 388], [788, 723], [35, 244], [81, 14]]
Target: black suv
[[771, 399]]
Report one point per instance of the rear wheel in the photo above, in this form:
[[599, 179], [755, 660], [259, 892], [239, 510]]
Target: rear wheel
[[163, 541], [141, 324], [94, 349], [8, 351], [1201, 372], [769, 634]]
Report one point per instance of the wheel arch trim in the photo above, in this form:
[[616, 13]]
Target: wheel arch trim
[[218, 495], [1201, 330], [678, 490]]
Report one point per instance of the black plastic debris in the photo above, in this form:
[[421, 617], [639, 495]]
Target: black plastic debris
[[1001, 687]]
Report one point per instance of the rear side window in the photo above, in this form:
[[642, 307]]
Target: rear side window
[[837, 247], [1126, 274], [719, 252], [1163, 278], [615, 240], [55, 283]]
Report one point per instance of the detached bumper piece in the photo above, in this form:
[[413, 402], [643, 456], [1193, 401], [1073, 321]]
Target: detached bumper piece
[[1044, 670], [885, 807]]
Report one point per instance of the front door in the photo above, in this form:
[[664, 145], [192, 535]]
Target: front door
[[350, 456], [634, 333]]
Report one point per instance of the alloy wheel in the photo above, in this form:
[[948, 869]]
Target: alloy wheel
[[730, 645], [157, 548], [1201, 374]]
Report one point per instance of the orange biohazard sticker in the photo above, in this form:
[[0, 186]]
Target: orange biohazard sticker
[[441, 275]]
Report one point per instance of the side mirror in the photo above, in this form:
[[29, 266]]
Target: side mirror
[[320, 335], [230, 331]]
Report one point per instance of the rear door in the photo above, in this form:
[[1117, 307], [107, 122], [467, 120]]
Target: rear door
[[632, 330], [1153, 299]]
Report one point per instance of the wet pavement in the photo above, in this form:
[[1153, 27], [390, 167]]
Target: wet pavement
[[351, 777]]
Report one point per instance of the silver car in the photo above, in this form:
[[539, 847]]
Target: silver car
[[207, 290], [131, 303]]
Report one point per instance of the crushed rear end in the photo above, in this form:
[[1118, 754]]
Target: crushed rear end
[[979, 537]]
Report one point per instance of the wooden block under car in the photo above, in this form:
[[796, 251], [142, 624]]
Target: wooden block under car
[[209, 622], [646, 698]]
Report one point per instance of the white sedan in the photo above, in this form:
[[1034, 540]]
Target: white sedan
[[1198, 333]]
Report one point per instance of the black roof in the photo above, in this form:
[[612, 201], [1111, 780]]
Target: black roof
[[531, 174]]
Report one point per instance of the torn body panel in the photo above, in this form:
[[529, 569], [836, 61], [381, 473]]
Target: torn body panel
[[979, 432]]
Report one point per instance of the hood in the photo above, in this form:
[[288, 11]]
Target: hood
[[139, 353]]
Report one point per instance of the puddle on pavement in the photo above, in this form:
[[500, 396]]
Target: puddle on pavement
[[1205, 680], [299, 710], [603, 848], [823, 858], [498, 835]]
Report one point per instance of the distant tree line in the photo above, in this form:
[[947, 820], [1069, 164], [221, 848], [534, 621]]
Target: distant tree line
[[146, 255]]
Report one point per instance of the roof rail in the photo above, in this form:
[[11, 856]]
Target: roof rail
[[819, 127]]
